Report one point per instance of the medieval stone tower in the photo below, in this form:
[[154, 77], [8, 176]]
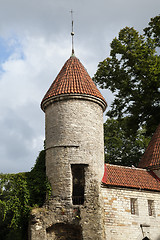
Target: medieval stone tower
[[73, 109]]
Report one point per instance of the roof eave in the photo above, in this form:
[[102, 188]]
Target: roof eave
[[46, 102], [128, 187]]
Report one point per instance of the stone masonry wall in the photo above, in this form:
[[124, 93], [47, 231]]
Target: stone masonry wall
[[120, 224], [157, 172]]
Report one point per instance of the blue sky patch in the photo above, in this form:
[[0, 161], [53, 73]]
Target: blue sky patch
[[8, 47]]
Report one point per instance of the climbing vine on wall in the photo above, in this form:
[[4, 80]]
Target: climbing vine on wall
[[19, 193]]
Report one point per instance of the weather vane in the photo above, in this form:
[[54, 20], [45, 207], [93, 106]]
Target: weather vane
[[72, 33]]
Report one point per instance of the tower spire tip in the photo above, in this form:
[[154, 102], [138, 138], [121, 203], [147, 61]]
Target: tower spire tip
[[72, 33]]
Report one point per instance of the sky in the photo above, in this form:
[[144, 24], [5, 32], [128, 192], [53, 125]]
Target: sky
[[35, 42]]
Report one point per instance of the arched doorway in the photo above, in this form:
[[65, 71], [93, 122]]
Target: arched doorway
[[61, 231], [146, 238]]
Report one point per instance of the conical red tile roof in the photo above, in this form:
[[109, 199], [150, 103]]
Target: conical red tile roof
[[73, 79], [151, 157]]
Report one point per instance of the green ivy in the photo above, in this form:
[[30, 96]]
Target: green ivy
[[19, 193]]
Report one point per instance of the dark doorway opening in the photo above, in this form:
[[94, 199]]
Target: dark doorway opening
[[78, 183], [146, 238], [61, 231]]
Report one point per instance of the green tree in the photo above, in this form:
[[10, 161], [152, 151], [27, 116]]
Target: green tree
[[153, 30], [14, 205], [120, 149], [132, 73], [19, 193]]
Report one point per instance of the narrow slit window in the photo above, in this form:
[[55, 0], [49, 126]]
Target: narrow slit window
[[134, 206], [150, 207], [78, 183]]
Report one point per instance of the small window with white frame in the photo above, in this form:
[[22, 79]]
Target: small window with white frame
[[151, 208], [134, 206]]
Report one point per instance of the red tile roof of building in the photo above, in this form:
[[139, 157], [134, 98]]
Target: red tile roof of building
[[73, 79], [128, 177], [151, 157]]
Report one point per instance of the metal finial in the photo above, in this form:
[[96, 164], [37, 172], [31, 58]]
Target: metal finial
[[72, 33]]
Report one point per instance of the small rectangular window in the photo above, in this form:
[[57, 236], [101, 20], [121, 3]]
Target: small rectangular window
[[134, 206], [150, 207], [78, 183]]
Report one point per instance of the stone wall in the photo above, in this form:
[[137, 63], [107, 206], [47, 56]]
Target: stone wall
[[157, 172], [120, 224], [59, 217]]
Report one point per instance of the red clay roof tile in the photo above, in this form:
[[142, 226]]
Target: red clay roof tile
[[138, 178], [151, 157], [73, 79]]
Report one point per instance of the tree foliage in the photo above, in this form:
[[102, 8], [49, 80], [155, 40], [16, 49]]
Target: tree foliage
[[153, 30], [132, 73], [19, 193], [122, 150]]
